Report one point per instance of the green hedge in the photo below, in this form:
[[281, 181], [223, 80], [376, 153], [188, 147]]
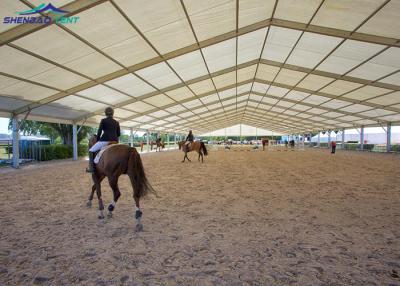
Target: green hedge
[[56, 151]]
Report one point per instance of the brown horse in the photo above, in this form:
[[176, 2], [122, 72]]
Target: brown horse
[[197, 146], [264, 142], [115, 161]]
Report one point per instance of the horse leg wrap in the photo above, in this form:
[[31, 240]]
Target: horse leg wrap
[[111, 207], [138, 214]]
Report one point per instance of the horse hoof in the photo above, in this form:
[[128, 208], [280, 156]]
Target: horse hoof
[[89, 204], [110, 215], [100, 216], [139, 227]]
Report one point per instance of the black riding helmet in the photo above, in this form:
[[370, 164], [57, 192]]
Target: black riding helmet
[[109, 111]]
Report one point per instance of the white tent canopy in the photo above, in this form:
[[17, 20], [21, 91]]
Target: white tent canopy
[[241, 130], [289, 66]]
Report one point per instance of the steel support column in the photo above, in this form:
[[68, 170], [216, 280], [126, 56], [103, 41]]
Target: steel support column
[[362, 138], [75, 142], [389, 138], [15, 142]]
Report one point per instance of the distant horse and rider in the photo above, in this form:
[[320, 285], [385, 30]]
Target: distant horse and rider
[[116, 159], [264, 142], [159, 144], [190, 145]]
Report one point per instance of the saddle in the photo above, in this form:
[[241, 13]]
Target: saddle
[[100, 153]]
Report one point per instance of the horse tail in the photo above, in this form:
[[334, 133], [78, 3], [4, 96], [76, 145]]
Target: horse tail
[[141, 186], [203, 148]]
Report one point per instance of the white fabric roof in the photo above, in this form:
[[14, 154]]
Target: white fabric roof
[[288, 66]]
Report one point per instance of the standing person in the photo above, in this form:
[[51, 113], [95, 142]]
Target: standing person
[[109, 131], [333, 145], [189, 140]]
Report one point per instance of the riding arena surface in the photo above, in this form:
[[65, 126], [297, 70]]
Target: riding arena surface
[[240, 218]]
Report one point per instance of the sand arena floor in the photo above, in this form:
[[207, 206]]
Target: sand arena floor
[[241, 218]]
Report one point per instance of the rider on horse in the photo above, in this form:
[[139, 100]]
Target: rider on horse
[[189, 140], [109, 131]]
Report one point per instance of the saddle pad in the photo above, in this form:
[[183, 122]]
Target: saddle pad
[[98, 156]]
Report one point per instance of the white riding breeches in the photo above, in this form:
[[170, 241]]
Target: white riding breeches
[[96, 147]]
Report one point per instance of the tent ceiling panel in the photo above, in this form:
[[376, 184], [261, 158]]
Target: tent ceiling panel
[[159, 75], [289, 77], [300, 107], [59, 78], [104, 94], [385, 22], [387, 99], [246, 73], [189, 66], [244, 88], [392, 79], [131, 85], [225, 79], [202, 86], [382, 65], [267, 72], [343, 14], [6, 81], [192, 104], [17, 63], [211, 18], [277, 91], [390, 118], [355, 108], [335, 104], [311, 49], [340, 87], [227, 93], [139, 106], [64, 47], [7, 103], [376, 112], [250, 45], [159, 100], [297, 10], [260, 87], [180, 93], [85, 65], [220, 56], [366, 92], [175, 109], [315, 82], [57, 112], [280, 42], [122, 113], [79, 103], [27, 91], [159, 114], [297, 95], [349, 55], [253, 11]]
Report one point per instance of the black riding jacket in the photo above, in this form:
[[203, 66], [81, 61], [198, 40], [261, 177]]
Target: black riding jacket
[[110, 129], [190, 138]]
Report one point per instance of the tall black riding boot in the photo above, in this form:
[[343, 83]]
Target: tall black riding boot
[[90, 169]]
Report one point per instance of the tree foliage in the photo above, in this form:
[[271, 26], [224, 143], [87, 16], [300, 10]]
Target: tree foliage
[[53, 130]]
